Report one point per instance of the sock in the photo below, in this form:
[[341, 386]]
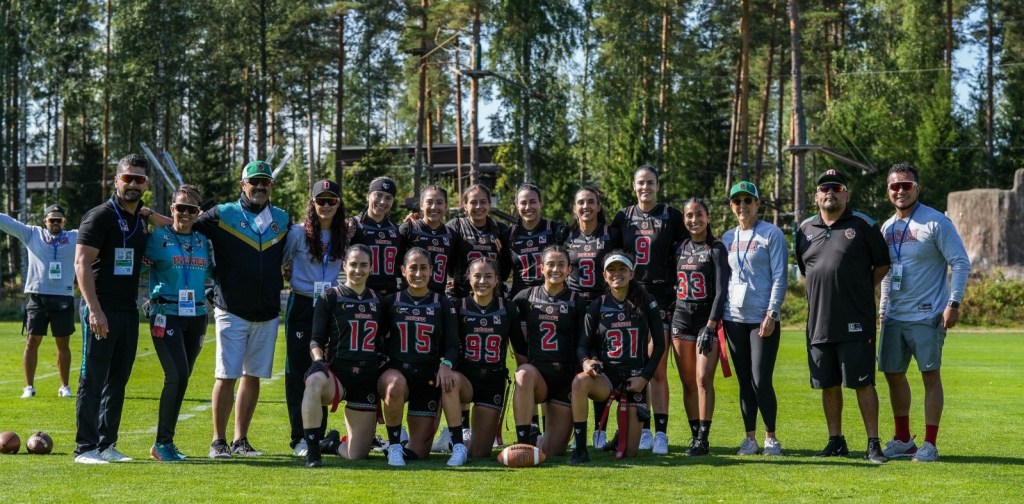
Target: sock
[[535, 420], [580, 430], [456, 433], [704, 430], [694, 427], [313, 438], [930, 433], [647, 422], [523, 433], [394, 433], [599, 407], [660, 422], [902, 428], [465, 418]]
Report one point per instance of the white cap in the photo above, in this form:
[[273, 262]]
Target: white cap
[[618, 258]]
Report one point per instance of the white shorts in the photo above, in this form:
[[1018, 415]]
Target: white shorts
[[244, 347]]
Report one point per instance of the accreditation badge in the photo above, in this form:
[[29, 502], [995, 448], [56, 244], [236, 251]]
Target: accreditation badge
[[186, 303], [55, 270], [318, 289], [897, 277], [737, 292], [124, 261]]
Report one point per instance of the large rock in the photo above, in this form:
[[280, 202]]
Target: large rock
[[990, 223]]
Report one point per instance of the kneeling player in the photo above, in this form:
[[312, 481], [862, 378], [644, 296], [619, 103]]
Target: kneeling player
[[616, 331]]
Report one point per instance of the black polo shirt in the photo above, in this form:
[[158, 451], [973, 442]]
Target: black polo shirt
[[837, 261], [107, 229]]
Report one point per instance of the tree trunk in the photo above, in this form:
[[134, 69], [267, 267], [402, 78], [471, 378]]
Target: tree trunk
[[777, 193], [949, 34], [733, 128], [989, 92], [246, 115], [799, 173], [666, 17], [743, 125], [474, 99], [106, 106], [525, 71], [762, 123], [309, 126], [827, 57], [420, 99], [458, 121], [339, 128], [261, 85]]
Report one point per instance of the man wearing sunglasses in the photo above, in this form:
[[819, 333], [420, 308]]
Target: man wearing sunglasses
[[248, 239], [49, 283], [919, 304], [843, 256]]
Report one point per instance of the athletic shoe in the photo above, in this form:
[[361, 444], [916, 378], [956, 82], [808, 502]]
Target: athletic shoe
[[65, 391], [301, 448], [314, 463], [748, 447], [897, 448], [219, 449], [926, 453], [177, 453], [579, 456], [459, 454], [112, 455], [443, 443], [243, 448], [660, 443], [28, 392], [646, 439], [164, 452], [699, 449], [331, 442], [874, 453], [90, 457], [772, 446], [836, 447], [378, 444], [396, 457], [612, 444], [600, 439]]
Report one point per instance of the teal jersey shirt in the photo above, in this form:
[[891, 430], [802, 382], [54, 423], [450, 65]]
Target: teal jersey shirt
[[176, 262]]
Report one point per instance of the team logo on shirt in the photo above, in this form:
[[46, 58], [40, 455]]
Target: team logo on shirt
[[498, 399], [362, 309], [123, 223], [586, 248], [622, 316], [430, 311], [432, 405], [542, 239], [483, 322], [434, 242], [549, 310], [274, 227], [298, 334], [382, 235], [416, 311], [482, 240], [497, 320], [243, 225], [563, 309], [529, 243], [850, 233], [645, 225]]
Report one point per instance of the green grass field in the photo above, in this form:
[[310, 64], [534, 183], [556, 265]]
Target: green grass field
[[980, 457]]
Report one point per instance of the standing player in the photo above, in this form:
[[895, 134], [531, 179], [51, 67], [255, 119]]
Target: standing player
[[843, 256], [49, 284], [702, 267], [587, 240], [374, 229], [919, 304], [617, 330], [651, 231], [430, 234], [478, 235], [528, 237], [553, 317]]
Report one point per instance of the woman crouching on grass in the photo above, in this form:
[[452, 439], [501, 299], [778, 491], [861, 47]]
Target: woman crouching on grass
[[612, 350]]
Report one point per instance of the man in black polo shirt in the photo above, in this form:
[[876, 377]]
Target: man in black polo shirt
[[843, 256], [108, 256]]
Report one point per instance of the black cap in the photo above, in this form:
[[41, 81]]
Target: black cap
[[325, 186], [54, 208], [832, 175]]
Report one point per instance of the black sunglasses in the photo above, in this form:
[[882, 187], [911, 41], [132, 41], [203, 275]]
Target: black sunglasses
[[186, 208], [831, 186], [128, 178], [749, 200], [260, 181], [326, 201]]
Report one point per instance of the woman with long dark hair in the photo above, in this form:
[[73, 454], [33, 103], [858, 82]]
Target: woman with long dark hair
[[477, 235], [528, 237], [587, 241], [429, 233]]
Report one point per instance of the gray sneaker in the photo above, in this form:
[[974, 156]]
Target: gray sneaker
[[219, 449], [646, 439], [772, 446], [897, 448], [243, 448], [90, 457], [112, 455], [748, 447], [301, 448], [396, 457], [926, 453]]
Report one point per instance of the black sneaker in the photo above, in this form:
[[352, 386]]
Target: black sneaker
[[219, 449], [874, 453], [836, 447], [700, 448], [243, 448], [314, 463], [579, 456], [612, 444], [330, 442]]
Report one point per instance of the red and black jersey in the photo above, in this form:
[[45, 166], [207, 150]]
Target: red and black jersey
[[472, 242], [586, 258], [421, 331], [346, 325], [652, 238], [439, 243], [617, 335], [702, 274], [553, 325], [525, 248], [485, 331], [386, 247]]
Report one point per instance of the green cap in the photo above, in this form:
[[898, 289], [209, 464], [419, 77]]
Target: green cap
[[257, 169], [744, 187]]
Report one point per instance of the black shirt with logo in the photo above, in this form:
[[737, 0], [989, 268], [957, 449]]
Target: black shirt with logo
[[107, 229], [439, 243]]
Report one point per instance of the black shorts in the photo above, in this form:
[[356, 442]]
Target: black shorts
[[688, 319], [43, 310], [850, 363], [359, 379], [489, 385], [558, 377], [424, 395], [616, 377]]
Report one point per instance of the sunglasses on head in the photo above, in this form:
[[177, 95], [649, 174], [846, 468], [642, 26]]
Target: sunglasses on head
[[902, 186], [128, 178], [186, 208], [831, 186], [55, 220], [747, 200], [326, 201], [260, 182]]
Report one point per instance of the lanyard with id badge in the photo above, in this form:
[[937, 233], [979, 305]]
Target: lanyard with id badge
[[320, 287], [186, 296], [896, 281], [738, 289], [124, 256], [55, 271]]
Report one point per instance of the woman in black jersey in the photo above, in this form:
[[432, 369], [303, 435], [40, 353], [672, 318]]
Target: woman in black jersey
[[429, 233], [422, 341], [587, 240], [651, 231], [374, 229], [617, 329], [477, 235], [486, 322], [344, 349], [702, 269], [553, 316], [528, 236]]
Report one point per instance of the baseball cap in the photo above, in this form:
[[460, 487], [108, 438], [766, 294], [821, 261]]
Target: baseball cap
[[744, 187], [832, 175], [256, 169], [382, 184], [325, 187], [618, 258], [54, 208]]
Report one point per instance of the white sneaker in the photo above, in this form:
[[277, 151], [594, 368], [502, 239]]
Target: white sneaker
[[301, 449], [443, 442], [772, 446], [660, 443], [459, 454], [112, 455], [90, 457], [600, 438], [28, 392], [65, 391], [646, 440], [897, 448], [926, 453], [395, 455], [748, 447]]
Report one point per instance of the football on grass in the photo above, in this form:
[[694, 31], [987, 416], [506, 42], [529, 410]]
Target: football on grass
[[521, 455], [39, 444], [9, 442]]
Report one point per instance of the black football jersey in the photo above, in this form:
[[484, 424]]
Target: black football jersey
[[525, 248], [439, 243], [485, 331], [553, 324], [617, 335], [385, 247], [586, 258], [652, 238], [346, 325], [421, 330], [472, 242]]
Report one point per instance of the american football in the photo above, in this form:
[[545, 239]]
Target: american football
[[39, 443], [9, 442], [521, 455]]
